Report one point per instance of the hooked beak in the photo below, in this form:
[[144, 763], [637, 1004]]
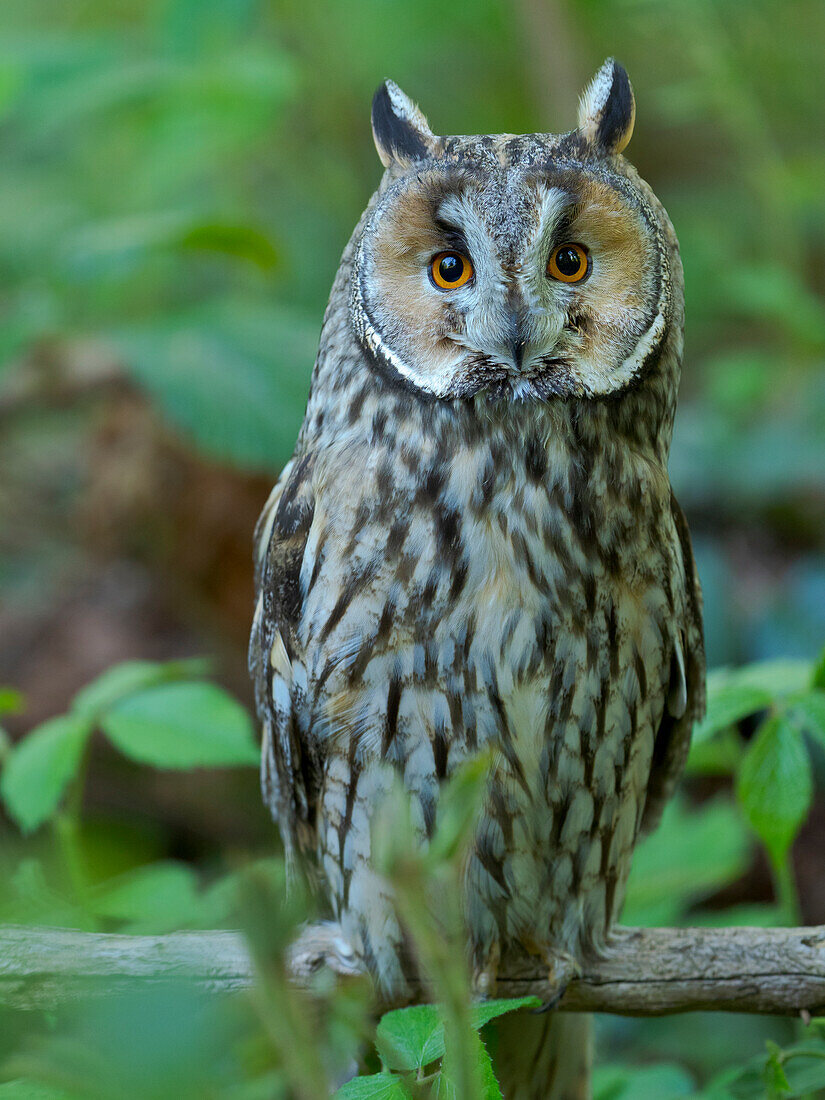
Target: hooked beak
[[516, 338]]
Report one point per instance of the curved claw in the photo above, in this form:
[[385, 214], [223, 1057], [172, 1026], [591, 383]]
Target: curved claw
[[563, 969]]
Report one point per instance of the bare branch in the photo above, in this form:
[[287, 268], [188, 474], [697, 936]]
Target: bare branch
[[646, 972]]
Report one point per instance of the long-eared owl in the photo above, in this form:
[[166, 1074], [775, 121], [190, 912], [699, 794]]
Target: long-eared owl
[[476, 544]]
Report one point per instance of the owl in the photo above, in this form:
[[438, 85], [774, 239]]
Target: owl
[[475, 547]]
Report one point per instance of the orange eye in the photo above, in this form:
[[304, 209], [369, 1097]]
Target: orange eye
[[569, 263], [450, 270]]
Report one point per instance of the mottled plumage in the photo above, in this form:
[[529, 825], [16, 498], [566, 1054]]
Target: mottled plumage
[[476, 542]]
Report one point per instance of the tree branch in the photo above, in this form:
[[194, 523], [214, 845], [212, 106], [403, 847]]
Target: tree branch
[[645, 972]]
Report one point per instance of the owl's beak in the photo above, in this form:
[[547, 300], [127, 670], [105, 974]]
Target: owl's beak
[[517, 347], [517, 340]]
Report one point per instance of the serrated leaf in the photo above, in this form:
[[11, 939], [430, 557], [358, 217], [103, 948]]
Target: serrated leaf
[[444, 1088], [475, 1061], [410, 1038], [775, 784], [39, 768], [182, 725], [129, 677], [486, 1011], [490, 1089], [379, 1086]]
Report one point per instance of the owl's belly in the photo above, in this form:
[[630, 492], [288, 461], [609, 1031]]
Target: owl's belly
[[569, 701], [575, 728]]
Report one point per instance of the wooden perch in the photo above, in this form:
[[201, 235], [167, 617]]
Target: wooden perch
[[647, 971]]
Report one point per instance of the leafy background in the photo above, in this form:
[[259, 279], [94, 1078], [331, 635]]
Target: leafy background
[[178, 180]]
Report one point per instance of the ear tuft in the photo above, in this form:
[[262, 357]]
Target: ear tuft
[[607, 109], [400, 130]]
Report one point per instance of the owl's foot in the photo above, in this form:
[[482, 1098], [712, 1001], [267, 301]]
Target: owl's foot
[[563, 969], [323, 944]]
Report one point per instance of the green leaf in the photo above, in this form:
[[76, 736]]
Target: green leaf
[[780, 677], [410, 1038], [444, 1087], [21, 1089], [691, 855], [242, 242], [775, 785], [40, 767], [818, 678], [231, 375], [735, 693], [486, 1011], [719, 754], [809, 713], [447, 1085], [182, 725], [775, 1078], [160, 897], [728, 702], [795, 1071], [124, 242], [11, 700], [379, 1086], [129, 677], [754, 915], [489, 1085], [663, 1082]]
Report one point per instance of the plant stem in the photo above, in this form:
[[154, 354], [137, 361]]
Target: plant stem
[[67, 825], [786, 891]]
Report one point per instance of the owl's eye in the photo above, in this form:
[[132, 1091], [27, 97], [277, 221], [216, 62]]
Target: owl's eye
[[569, 263], [449, 270]]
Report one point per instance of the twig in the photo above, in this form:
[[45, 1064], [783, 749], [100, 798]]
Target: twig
[[646, 972]]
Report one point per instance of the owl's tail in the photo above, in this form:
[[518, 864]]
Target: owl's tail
[[544, 1057]]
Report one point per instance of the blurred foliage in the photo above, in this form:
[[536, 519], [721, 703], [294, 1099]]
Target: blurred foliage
[[179, 179]]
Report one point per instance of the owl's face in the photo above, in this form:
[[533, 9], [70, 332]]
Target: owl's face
[[529, 266]]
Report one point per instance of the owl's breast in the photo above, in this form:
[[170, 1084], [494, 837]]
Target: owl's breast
[[449, 596]]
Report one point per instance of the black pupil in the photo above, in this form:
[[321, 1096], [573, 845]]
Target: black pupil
[[568, 261], [451, 268]]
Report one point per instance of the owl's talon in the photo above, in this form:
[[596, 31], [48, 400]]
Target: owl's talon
[[563, 970]]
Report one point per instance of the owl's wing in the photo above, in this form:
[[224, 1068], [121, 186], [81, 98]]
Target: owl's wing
[[686, 697], [290, 769]]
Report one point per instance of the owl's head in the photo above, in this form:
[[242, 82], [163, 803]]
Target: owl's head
[[535, 266]]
